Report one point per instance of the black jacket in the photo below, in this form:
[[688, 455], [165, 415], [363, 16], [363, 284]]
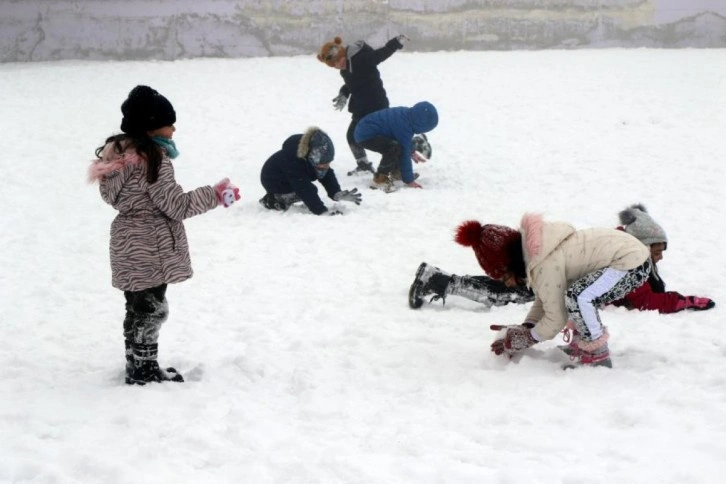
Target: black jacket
[[363, 80], [284, 172]]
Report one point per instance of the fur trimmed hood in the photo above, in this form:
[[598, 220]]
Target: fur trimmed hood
[[112, 161], [304, 145], [539, 239], [315, 146]]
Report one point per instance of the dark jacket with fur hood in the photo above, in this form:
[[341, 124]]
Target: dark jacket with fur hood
[[363, 80], [288, 170]]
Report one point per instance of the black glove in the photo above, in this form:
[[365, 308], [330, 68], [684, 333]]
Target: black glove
[[348, 196], [340, 101]]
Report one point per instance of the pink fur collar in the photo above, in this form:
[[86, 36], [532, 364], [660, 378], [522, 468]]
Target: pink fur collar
[[532, 226], [110, 164]]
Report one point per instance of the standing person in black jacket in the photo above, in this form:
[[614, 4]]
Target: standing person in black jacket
[[358, 65], [288, 174]]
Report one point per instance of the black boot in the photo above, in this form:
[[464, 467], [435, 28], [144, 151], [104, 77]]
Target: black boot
[[363, 166], [128, 334], [129, 362], [146, 368], [269, 202], [279, 201], [429, 280]]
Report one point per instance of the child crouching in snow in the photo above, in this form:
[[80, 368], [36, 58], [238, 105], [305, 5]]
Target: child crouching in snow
[[288, 175], [390, 132], [148, 244], [572, 272]]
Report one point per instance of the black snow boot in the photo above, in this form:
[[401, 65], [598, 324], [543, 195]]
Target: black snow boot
[[363, 166], [429, 280], [129, 361], [146, 368], [279, 201]]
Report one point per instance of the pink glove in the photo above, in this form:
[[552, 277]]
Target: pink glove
[[227, 193], [694, 302], [517, 338]]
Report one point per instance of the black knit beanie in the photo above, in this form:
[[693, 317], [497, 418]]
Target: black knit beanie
[[146, 110]]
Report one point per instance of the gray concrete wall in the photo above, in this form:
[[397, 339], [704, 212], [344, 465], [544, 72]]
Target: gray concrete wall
[[37, 30]]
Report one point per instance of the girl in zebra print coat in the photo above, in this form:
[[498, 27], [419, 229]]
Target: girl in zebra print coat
[[148, 244]]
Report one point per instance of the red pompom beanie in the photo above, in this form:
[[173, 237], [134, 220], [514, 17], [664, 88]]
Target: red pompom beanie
[[495, 246]]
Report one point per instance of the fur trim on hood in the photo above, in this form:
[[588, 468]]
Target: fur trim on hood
[[316, 147], [304, 146], [540, 238], [532, 224], [111, 161]]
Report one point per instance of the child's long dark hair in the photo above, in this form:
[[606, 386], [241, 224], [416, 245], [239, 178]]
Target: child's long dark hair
[[516, 257], [145, 147]]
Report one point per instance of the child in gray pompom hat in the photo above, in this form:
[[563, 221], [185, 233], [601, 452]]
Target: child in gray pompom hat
[[652, 296]]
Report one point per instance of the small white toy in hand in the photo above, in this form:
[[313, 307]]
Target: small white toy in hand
[[227, 193], [228, 197]]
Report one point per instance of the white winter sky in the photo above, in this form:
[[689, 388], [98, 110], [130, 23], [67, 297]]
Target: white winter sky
[[304, 363]]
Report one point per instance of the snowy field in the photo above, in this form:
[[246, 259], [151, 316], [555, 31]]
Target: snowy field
[[304, 363]]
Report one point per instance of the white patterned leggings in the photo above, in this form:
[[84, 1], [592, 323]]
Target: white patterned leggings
[[598, 288]]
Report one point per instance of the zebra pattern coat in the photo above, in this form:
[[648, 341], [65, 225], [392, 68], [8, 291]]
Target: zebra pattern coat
[[148, 242]]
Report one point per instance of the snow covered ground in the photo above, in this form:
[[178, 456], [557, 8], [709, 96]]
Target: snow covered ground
[[304, 363]]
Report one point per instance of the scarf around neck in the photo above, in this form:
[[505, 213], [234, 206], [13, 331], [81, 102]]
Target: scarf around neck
[[167, 145]]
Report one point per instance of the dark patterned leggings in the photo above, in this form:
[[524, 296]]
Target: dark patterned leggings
[[597, 288], [146, 310]]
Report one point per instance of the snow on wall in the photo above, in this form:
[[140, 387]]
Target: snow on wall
[[36, 30]]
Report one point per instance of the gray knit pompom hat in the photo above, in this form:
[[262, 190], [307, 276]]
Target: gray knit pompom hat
[[638, 223]]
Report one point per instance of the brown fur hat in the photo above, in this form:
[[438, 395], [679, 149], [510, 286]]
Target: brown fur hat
[[332, 52]]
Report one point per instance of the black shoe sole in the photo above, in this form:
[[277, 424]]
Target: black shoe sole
[[413, 301]]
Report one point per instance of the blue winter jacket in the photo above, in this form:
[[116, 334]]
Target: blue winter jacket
[[399, 123], [284, 172]]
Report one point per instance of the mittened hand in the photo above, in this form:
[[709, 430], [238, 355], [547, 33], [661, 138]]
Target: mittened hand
[[227, 193], [696, 303], [517, 338], [339, 102], [402, 39], [348, 196]]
